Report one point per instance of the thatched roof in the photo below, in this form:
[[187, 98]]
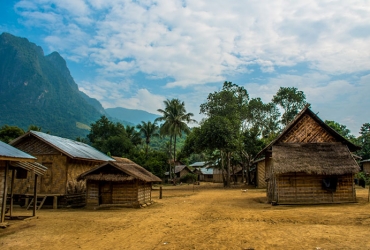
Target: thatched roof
[[313, 158], [122, 169], [306, 110]]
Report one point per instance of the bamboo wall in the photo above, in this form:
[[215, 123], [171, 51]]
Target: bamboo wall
[[366, 167], [2, 184], [307, 130], [52, 182], [301, 188], [261, 174], [74, 169]]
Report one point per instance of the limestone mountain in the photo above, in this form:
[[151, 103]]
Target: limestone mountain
[[39, 90]]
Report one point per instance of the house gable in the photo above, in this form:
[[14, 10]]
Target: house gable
[[307, 130], [35, 146]]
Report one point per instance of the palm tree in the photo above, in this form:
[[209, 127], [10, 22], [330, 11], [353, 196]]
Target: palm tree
[[175, 119], [148, 130], [133, 135]]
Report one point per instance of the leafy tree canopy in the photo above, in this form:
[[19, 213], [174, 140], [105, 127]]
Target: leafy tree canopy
[[9, 133]]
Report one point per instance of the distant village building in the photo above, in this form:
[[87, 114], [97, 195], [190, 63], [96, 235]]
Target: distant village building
[[310, 163], [15, 164], [260, 173], [365, 166], [65, 159], [118, 183]]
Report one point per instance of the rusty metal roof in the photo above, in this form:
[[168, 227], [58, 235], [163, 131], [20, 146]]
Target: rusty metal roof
[[13, 154], [74, 149]]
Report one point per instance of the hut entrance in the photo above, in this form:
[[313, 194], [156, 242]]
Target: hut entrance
[[105, 190]]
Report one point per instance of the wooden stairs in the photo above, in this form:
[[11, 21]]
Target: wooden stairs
[[39, 202]]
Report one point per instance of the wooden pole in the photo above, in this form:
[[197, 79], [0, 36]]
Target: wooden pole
[[2, 216], [160, 192], [11, 193], [35, 197]]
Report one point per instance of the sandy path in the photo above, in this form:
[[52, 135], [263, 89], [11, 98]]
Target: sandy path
[[204, 219]]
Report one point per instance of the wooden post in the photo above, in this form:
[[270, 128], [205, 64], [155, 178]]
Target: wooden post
[[2, 215], [11, 193], [160, 192], [35, 197], [55, 202]]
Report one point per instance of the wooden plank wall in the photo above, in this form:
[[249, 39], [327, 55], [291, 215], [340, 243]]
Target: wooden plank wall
[[302, 188], [92, 193], [2, 182], [261, 174]]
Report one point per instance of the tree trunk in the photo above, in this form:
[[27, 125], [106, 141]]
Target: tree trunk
[[228, 170]]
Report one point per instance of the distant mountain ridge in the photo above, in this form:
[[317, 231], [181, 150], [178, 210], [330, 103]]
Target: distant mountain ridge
[[134, 116], [39, 90]]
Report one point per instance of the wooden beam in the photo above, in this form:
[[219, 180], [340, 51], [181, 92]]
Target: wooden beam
[[11, 193], [2, 216], [35, 197]]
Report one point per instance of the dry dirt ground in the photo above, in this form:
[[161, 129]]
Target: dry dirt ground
[[208, 217]]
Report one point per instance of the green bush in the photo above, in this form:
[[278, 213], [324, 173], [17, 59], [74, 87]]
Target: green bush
[[189, 178]]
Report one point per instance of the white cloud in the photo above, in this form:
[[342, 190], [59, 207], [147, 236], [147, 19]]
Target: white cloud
[[196, 42]]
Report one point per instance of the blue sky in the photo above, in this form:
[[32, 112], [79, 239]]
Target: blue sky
[[136, 54]]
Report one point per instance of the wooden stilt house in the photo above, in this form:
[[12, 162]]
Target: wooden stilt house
[[118, 183], [65, 159], [17, 162], [310, 163]]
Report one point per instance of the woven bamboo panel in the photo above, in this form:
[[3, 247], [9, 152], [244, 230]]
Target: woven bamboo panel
[[305, 188], [125, 193], [2, 182], [307, 130], [74, 169], [261, 174], [34, 146]]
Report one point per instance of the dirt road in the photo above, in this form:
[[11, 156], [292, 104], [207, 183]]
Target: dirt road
[[208, 218]]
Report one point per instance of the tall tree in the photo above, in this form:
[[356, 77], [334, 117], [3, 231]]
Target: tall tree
[[229, 107], [175, 121], [148, 130], [342, 130], [291, 100], [133, 135], [9, 133], [364, 141]]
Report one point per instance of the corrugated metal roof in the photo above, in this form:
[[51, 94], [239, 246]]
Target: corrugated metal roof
[[10, 152], [206, 170], [74, 149], [198, 164]]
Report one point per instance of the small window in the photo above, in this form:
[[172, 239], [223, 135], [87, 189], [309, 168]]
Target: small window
[[330, 184]]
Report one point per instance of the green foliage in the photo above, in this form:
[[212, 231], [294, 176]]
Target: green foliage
[[291, 100], [9, 133], [155, 161], [342, 130], [107, 136], [148, 130], [364, 141], [175, 120]]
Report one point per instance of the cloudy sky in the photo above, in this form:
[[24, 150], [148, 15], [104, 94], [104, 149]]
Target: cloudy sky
[[135, 54]]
